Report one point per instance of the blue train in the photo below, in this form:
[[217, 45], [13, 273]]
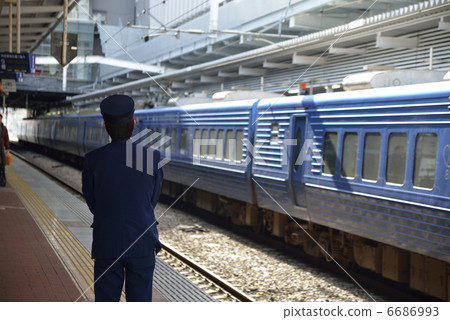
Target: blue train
[[366, 173]]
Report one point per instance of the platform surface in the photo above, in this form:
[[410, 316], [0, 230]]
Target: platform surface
[[30, 270], [62, 221]]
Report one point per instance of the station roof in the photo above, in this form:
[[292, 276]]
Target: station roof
[[296, 34], [320, 28], [37, 19]]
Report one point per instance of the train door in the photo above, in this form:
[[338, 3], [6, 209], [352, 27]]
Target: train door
[[297, 161]]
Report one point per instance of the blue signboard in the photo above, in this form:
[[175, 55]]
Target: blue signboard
[[17, 62], [18, 76]]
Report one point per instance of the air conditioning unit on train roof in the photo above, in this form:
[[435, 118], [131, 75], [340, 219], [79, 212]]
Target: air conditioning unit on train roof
[[447, 76], [242, 95], [193, 98], [390, 78]]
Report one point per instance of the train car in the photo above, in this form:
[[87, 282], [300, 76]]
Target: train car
[[383, 173], [364, 173], [367, 175], [92, 134]]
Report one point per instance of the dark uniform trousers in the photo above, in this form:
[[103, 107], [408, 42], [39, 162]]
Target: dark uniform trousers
[[138, 275]]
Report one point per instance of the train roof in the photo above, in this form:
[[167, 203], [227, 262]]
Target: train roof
[[418, 91], [410, 91], [204, 106], [362, 97]]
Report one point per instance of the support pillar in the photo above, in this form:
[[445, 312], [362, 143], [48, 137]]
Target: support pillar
[[18, 26]]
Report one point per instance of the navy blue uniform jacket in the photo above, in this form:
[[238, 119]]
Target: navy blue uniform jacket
[[122, 200]]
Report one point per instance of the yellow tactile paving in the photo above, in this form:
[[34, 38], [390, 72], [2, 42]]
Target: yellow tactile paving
[[73, 255]]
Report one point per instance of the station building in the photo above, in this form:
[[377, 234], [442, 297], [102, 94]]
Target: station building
[[178, 52]]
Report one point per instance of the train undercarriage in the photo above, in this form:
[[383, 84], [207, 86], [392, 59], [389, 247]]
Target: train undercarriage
[[421, 273]]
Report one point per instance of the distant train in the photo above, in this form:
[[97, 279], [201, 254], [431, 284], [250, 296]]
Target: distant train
[[365, 173]]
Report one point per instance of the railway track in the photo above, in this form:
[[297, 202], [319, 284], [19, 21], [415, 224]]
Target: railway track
[[216, 287], [367, 279]]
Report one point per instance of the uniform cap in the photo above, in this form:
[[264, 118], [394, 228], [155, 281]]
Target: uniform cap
[[117, 109]]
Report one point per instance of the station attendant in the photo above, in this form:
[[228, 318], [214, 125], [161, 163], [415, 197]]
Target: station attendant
[[122, 200]]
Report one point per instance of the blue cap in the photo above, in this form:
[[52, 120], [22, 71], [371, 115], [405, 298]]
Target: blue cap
[[117, 109]]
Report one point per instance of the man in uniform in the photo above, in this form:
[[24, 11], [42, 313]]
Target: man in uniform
[[122, 200]]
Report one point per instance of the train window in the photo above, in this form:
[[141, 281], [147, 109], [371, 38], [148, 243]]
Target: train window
[[164, 134], [212, 143], [228, 144], [100, 134], [46, 130], [371, 161], [105, 135], [329, 152], [396, 161], [349, 152], [93, 134], [204, 146], [197, 142], [425, 160], [183, 141], [219, 147], [172, 140], [72, 133], [61, 129], [158, 138], [274, 133], [239, 144]]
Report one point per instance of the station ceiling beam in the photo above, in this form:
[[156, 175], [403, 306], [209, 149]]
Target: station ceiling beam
[[349, 51], [443, 24], [35, 19], [124, 64], [36, 9], [307, 60], [396, 42], [207, 79], [244, 71], [179, 85], [224, 74], [277, 65], [193, 81]]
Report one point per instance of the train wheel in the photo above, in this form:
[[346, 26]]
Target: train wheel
[[324, 242]]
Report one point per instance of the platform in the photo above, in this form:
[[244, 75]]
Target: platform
[[46, 241]]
